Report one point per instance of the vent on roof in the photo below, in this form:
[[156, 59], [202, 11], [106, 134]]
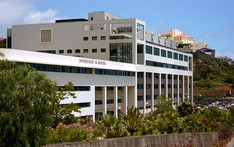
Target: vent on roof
[[70, 20]]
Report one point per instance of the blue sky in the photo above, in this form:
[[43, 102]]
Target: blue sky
[[210, 21]]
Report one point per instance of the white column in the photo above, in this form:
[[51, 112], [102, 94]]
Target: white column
[[172, 88], [125, 99], [187, 87], [182, 87], [152, 92], [178, 89], [166, 85], [144, 93], [159, 83], [104, 101], [116, 102], [191, 90]]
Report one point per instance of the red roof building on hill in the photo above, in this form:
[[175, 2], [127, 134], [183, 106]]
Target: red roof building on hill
[[1, 39], [225, 59]]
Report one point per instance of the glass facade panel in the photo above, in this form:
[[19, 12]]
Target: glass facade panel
[[180, 57], [176, 56], [121, 52], [185, 58], [165, 65], [156, 51], [148, 49], [163, 53], [169, 54]]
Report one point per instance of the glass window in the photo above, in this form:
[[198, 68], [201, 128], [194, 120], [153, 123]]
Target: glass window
[[185, 58], [94, 38], [148, 86], [103, 37], [156, 51], [139, 86], [103, 50], [61, 51], [180, 57], [148, 97], [140, 48], [121, 52], [85, 38], [176, 56], [140, 74], [148, 49], [94, 50], [69, 51], [169, 54], [163, 53], [148, 75], [85, 50], [155, 86], [139, 98], [77, 50]]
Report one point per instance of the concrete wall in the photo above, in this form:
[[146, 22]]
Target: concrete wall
[[200, 140]]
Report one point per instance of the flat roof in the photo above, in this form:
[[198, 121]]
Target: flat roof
[[53, 59]]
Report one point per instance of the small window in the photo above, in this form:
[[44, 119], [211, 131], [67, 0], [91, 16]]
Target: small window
[[163, 53], [169, 54], [85, 50], [148, 49], [85, 38], [69, 51], [180, 57], [140, 74], [91, 18], [94, 50], [176, 56], [77, 50], [185, 58], [156, 51], [61, 51], [148, 86], [103, 50], [103, 37], [94, 38], [139, 98]]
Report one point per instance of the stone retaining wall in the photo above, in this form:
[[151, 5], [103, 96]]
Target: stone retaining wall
[[163, 140]]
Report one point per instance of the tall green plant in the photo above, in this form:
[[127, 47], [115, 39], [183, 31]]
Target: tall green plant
[[132, 120]]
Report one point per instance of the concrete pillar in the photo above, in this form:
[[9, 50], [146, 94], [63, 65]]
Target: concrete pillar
[[178, 89], [125, 99], [152, 92], [183, 87], [172, 87], [135, 91], [116, 101], [191, 90], [159, 83], [187, 87], [104, 101], [166, 85], [144, 94]]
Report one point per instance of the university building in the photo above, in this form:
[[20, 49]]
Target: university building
[[114, 63]]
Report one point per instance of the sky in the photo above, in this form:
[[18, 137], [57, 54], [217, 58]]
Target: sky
[[209, 21]]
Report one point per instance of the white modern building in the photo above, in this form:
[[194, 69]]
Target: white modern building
[[114, 63]]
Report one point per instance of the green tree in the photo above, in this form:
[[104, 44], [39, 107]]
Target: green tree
[[185, 108], [63, 113], [27, 102], [3, 43], [164, 104]]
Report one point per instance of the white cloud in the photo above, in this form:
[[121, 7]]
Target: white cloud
[[14, 12]]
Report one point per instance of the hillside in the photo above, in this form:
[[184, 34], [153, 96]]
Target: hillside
[[212, 78]]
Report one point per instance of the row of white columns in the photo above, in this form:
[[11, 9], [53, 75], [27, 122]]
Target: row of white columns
[[104, 100], [189, 89]]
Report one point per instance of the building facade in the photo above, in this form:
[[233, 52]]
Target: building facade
[[115, 61]]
